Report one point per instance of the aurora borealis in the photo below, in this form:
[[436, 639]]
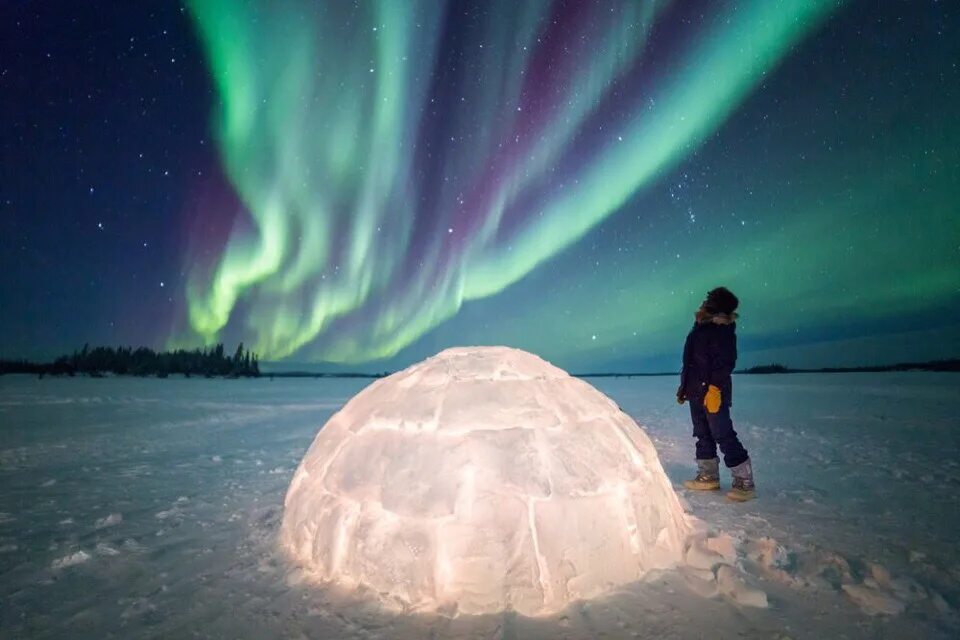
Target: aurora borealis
[[353, 258], [378, 180]]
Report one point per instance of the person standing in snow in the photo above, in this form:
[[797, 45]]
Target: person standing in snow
[[709, 356]]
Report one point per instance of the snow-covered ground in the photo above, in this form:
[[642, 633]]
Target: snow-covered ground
[[150, 508]]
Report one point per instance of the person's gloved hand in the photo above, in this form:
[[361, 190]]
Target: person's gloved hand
[[713, 399], [681, 396]]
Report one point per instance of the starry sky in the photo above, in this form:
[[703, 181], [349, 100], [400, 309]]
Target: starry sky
[[357, 185]]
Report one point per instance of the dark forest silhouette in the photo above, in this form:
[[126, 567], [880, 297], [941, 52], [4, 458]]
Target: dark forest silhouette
[[933, 365], [144, 362], [952, 365]]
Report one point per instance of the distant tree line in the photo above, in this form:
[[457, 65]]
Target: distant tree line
[[209, 362], [320, 374], [767, 368], [933, 365]]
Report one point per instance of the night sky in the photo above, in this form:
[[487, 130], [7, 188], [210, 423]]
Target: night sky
[[363, 184]]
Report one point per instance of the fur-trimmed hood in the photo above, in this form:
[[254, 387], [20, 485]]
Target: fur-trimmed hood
[[704, 317]]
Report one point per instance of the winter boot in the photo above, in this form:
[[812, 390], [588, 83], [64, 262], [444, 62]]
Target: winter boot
[[743, 488], [708, 476]]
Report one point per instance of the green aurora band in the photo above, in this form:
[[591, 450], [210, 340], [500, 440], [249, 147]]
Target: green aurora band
[[319, 129]]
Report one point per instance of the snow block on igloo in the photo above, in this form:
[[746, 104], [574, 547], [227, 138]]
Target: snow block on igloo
[[482, 479]]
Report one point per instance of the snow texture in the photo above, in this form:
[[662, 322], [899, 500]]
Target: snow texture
[[70, 560], [479, 480], [858, 484]]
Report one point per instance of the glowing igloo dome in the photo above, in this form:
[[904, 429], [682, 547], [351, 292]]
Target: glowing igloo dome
[[478, 480]]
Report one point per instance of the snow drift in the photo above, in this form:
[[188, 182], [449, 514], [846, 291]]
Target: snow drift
[[478, 480]]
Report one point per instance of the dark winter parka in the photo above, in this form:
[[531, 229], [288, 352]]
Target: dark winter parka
[[709, 356]]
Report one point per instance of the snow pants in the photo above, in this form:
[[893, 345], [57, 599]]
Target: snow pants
[[716, 429]]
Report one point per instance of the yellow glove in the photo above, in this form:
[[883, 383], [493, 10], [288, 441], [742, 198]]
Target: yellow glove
[[712, 400]]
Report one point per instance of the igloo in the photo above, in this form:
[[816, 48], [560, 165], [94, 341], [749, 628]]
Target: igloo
[[478, 480]]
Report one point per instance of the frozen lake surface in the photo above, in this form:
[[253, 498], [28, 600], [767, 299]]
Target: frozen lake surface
[[140, 508]]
